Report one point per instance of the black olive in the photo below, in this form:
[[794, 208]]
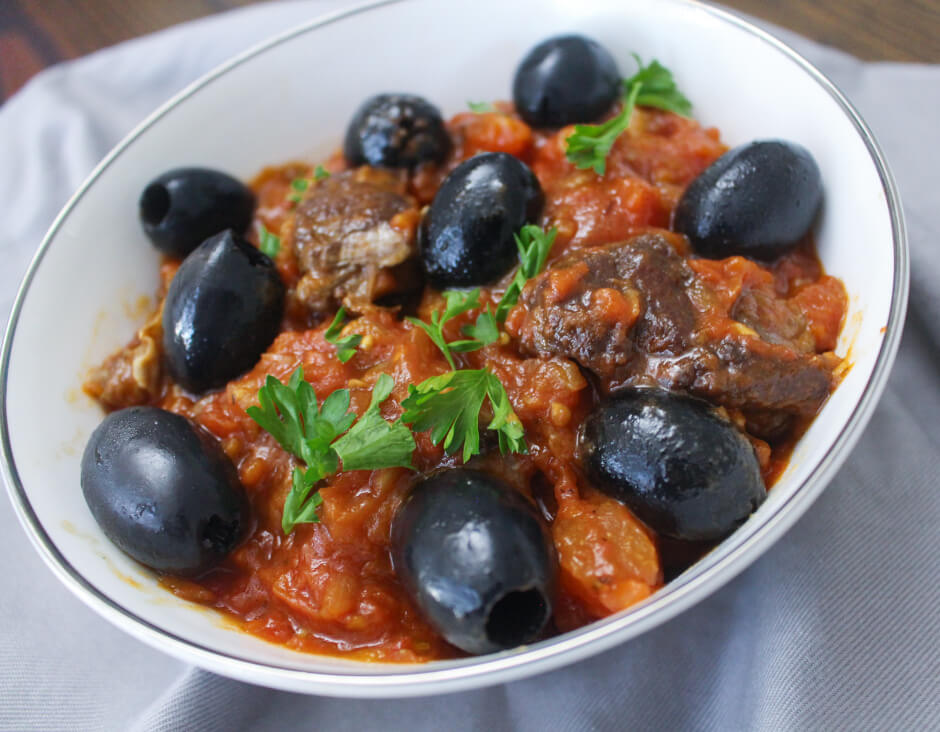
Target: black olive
[[163, 491], [757, 200], [466, 237], [222, 310], [564, 80], [674, 461], [396, 131], [475, 558], [183, 207]]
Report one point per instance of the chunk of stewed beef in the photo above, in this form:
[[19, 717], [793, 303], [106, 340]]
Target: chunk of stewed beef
[[605, 307], [635, 313], [347, 232]]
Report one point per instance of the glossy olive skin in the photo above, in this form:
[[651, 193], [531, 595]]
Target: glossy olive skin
[[757, 200], [183, 207], [476, 559], [396, 131], [223, 309], [564, 80], [466, 237], [674, 461], [163, 491]]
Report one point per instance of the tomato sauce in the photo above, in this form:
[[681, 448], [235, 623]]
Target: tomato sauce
[[330, 587]]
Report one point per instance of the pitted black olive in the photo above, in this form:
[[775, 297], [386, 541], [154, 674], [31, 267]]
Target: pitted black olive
[[564, 80], [222, 310], [182, 208], [674, 461], [757, 200], [466, 237], [396, 131], [163, 491], [475, 558]]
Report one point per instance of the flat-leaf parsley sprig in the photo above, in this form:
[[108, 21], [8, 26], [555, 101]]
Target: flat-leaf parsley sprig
[[480, 107], [651, 86], [325, 436], [456, 302], [533, 245], [299, 186], [448, 406], [345, 345], [268, 242]]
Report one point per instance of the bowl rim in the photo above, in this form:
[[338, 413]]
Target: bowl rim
[[721, 565]]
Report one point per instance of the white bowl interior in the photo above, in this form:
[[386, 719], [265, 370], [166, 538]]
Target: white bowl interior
[[277, 106]]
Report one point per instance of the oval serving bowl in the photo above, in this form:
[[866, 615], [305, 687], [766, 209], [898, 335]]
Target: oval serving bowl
[[261, 116]]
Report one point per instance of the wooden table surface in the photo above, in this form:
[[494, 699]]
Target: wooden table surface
[[37, 33]]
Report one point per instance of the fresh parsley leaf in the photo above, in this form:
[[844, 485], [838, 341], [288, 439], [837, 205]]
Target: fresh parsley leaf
[[345, 346], [298, 187], [480, 107], [449, 407], [456, 302], [505, 422], [588, 145], [651, 86], [658, 88], [374, 443], [297, 508], [268, 243], [289, 413], [279, 414], [482, 333], [533, 245], [321, 436]]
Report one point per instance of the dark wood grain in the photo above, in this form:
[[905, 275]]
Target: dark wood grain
[[37, 33], [888, 30]]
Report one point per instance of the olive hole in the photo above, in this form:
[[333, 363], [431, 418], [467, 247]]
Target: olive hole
[[516, 618], [154, 203], [219, 535]]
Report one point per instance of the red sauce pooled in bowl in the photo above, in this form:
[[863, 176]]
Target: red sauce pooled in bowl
[[330, 587]]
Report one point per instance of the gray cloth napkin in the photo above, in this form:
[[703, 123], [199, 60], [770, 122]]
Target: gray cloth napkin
[[837, 626]]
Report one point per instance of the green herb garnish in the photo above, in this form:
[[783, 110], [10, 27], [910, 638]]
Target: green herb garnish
[[651, 86], [533, 245], [345, 346], [315, 434], [456, 302], [374, 443], [268, 243], [299, 186], [482, 333], [480, 107], [449, 407]]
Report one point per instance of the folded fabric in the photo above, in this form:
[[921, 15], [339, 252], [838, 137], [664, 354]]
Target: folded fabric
[[834, 627]]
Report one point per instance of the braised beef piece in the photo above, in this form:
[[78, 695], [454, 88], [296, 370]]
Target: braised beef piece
[[133, 374], [568, 310], [653, 333], [775, 320], [345, 232]]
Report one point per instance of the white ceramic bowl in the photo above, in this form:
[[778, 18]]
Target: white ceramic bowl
[[249, 113]]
